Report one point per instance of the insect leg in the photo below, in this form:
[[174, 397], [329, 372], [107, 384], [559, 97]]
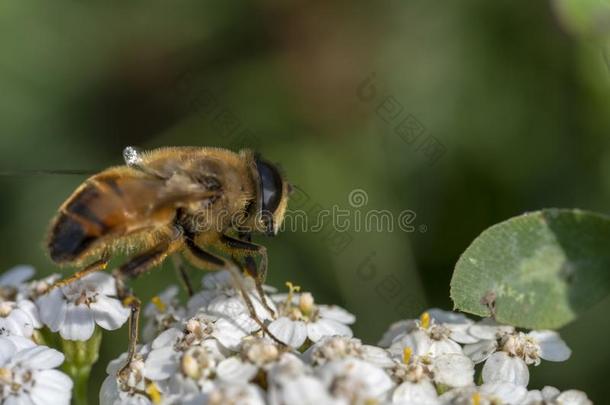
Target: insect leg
[[98, 265], [182, 274], [133, 268], [203, 259], [245, 249], [134, 329]]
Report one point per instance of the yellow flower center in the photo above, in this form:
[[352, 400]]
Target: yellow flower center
[[425, 320], [5, 375], [306, 304], [476, 398], [153, 392], [291, 290], [158, 303], [406, 354], [6, 308]]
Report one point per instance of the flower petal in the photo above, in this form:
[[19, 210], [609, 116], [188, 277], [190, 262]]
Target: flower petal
[[397, 330], [327, 327], [480, 351], [500, 367], [507, 393], [377, 356], [293, 333], [549, 393], [448, 317], [7, 350], [552, 347], [78, 324], [16, 275], [20, 322], [39, 357], [369, 380], [29, 308], [109, 392], [421, 393], [167, 338], [21, 399], [454, 370], [52, 384], [104, 283], [21, 342], [444, 346], [233, 370], [573, 397], [336, 314], [229, 334], [52, 309], [301, 390], [161, 363], [109, 313], [418, 341], [488, 329]]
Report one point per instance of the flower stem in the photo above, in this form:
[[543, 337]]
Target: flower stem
[[81, 379], [80, 357]]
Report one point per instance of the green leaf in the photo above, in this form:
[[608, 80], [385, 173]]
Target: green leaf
[[538, 270]]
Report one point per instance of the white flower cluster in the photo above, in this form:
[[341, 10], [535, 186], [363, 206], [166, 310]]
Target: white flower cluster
[[27, 370], [210, 351]]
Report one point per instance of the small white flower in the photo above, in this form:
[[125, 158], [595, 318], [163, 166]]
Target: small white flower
[[427, 337], [247, 394], [221, 300], [15, 277], [18, 318], [572, 397], [508, 357], [437, 324], [162, 312], [35, 288], [486, 394], [399, 328], [355, 381], [233, 310], [299, 318], [242, 394], [132, 387], [291, 381], [450, 369], [256, 354], [536, 397], [74, 309], [15, 284], [332, 348], [221, 284], [552, 396], [27, 376], [193, 353], [458, 324], [422, 392]]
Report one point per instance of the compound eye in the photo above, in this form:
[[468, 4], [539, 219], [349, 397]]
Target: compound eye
[[271, 186]]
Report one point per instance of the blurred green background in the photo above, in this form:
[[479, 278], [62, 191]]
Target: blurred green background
[[466, 113]]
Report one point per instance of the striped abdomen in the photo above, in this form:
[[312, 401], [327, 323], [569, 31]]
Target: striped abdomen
[[114, 203]]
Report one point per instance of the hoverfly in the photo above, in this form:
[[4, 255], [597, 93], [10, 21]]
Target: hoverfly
[[177, 201]]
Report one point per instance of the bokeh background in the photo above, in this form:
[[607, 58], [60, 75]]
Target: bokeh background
[[465, 113]]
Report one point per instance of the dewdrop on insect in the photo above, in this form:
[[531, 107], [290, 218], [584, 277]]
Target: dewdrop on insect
[[132, 156]]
